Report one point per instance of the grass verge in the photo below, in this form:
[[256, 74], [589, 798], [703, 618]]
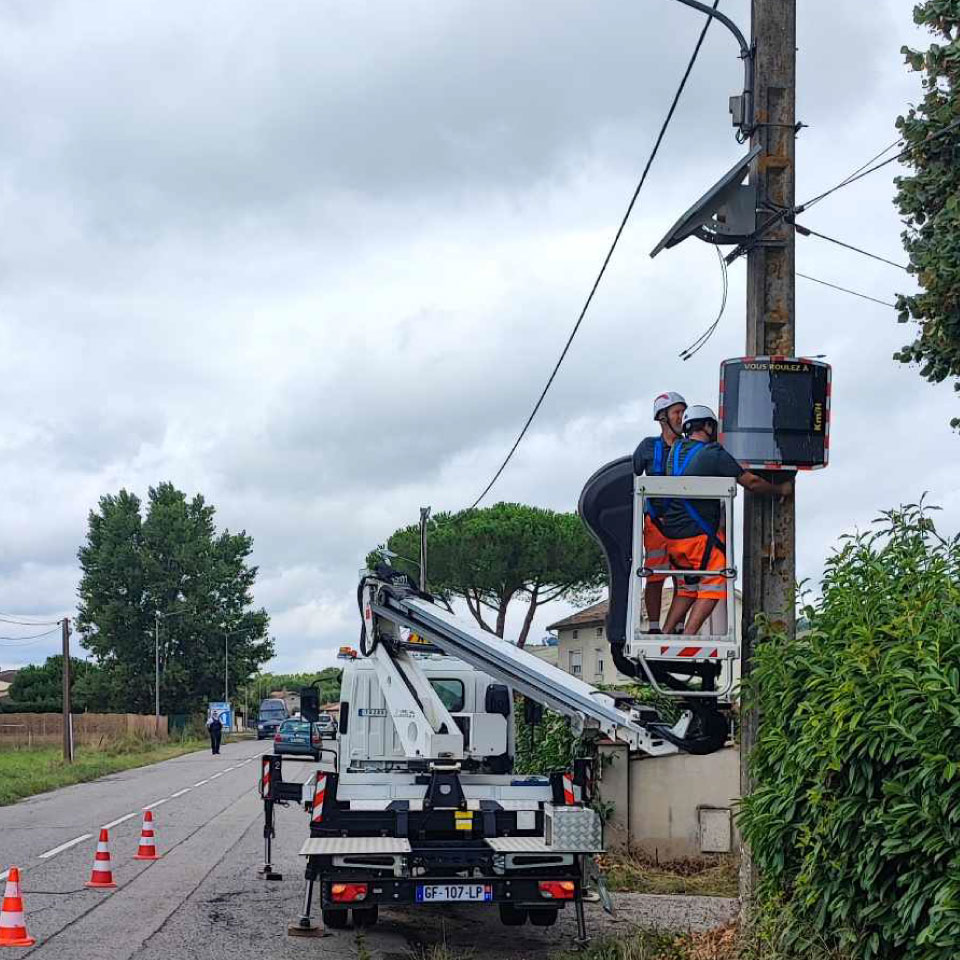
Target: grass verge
[[702, 877], [28, 771]]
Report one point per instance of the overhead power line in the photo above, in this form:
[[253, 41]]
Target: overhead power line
[[855, 293], [606, 259], [26, 641], [807, 232], [867, 169], [4, 618], [858, 174]]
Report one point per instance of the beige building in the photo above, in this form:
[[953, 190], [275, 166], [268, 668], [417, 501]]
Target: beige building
[[6, 679], [583, 649]]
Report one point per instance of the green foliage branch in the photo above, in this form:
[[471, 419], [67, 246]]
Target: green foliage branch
[[855, 819], [929, 198], [490, 556]]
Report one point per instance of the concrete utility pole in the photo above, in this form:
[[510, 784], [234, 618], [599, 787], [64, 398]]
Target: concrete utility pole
[[67, 728], [769, 534], [424, 517]]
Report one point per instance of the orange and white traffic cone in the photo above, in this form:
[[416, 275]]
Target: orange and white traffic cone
[[148, 845], [102, 875], [13, 929]]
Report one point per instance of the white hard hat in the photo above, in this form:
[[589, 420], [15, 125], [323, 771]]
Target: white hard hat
[[698, 412], [665, 400]]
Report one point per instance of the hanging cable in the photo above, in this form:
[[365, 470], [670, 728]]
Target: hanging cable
[[701, 341], [854, 293], [606, 259], [807, 232]]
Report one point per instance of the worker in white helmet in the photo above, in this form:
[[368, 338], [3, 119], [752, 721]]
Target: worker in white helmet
[[650, 458], [693, 527]]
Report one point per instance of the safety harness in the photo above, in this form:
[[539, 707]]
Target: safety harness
[[655, 509], [679, 469]]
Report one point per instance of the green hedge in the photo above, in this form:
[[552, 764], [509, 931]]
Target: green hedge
[[855, 821]]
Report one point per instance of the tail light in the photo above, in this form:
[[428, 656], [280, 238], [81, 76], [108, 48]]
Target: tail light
[[348, 892], [278, 739], [557, 889], [314, 736]]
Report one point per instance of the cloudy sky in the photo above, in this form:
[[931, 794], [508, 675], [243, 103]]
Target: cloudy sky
[[316, 260]]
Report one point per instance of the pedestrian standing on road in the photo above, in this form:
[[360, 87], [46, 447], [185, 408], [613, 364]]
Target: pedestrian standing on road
[[215, 727]]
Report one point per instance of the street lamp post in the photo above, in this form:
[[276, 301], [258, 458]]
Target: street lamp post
[[156, 669]]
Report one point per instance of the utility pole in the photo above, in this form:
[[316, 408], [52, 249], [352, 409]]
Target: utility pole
[[67, 728], [156, 668], [424, 517], [769, 535], [226, 674]]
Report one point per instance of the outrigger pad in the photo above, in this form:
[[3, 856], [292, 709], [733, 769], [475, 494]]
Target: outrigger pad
[[606, 507]]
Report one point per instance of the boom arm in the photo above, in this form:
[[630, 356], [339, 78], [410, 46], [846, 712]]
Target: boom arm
[[400, 606]]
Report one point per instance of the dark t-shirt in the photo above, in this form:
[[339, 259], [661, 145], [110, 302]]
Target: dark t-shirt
[[711, 461], [644, 457], [645, 461]]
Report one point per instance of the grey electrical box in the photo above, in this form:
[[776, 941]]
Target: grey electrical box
[[715, 827]]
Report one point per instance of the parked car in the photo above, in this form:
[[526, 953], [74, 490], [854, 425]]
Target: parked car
[[298, 738], [271, 714]]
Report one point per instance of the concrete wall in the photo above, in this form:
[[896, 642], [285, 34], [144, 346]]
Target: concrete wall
[[671, 807], [679, 801]]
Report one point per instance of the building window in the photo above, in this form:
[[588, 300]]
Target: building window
[[576, 662], [599, 631], [576, 634], [599, 666]]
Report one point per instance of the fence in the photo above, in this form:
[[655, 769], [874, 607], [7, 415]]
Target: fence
[[33, 729]]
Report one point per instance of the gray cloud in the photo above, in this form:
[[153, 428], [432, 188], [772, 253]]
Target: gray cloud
[[317, 262]]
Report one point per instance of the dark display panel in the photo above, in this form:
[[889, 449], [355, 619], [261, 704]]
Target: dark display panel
[[775, 412]]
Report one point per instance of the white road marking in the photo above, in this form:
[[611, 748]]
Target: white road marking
[[65, 846], [220, 774], [113, 823], [156, 803], [180, 793], [200, 783]]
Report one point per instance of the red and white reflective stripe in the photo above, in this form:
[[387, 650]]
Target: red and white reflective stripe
[[265, 776], [568, 797], [318, 796], [679, 651]]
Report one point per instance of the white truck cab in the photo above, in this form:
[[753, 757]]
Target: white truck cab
[[481, 708]]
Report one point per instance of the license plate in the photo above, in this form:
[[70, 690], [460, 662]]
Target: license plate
[[446, 892]]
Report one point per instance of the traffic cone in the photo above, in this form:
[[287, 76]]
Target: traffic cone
[[148, 846], [102, 875], [13, 930]]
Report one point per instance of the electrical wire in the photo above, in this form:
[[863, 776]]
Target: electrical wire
[[606, 259], [807, 232], [858, 174], [854, 293], [701, 341], [26, 641], [4, 618]]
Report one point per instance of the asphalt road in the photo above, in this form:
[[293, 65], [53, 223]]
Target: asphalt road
[[203, 899]]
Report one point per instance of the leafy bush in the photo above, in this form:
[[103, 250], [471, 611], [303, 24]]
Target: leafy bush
[[855, 820]]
